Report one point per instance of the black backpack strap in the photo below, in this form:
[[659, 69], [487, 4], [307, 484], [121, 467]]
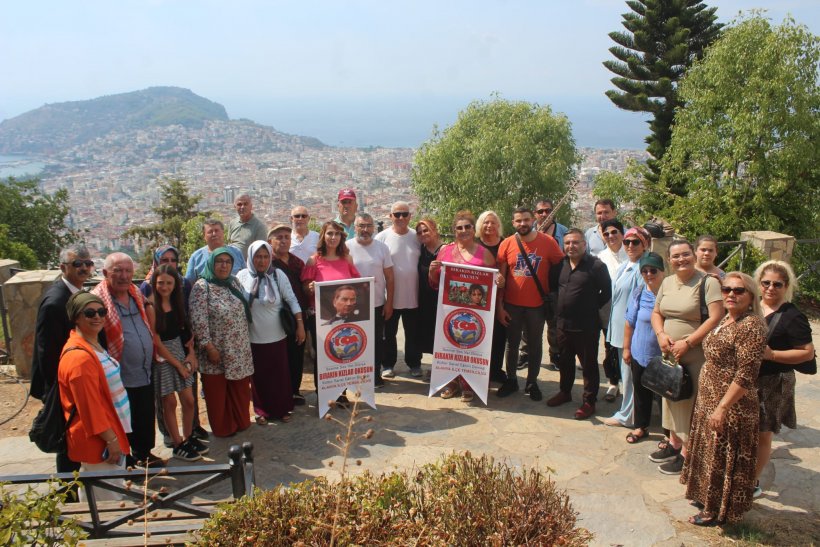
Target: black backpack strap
[[541, 290]]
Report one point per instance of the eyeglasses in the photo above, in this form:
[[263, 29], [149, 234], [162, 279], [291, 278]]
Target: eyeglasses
[[299, 216], [737, 290], [223, 261], [776, 284], [401, 214], [544, 211], [678, 256], [629, 242], [89, 314], [611, 233], [464, 227], [649, 270], [78, 263], [364, 226]]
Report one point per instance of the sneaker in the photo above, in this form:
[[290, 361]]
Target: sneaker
[[388, 374], [200, 434], [378, 382], [672, 467], [533, 391], [466, 396], [553, 367], [415, 372], [152, 461], [198, 447], [758, 491], [507, 388], [585, 411], [522, 365], [498, 376], [612, 393], [665, 454], [167, 441], [298, 399], [185, 452], [559, 398]]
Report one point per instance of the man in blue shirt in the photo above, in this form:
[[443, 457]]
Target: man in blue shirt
[[214, 232]]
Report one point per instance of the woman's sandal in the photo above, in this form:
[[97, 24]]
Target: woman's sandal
[[466, 396], [633, 438], [696, 504], [286, 418], [449, 392], [261, 420], [704, 519]]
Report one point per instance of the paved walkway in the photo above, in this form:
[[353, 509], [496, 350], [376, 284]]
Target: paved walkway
[[618, 492]]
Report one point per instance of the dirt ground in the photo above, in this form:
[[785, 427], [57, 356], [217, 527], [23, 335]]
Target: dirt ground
[[15, 419]]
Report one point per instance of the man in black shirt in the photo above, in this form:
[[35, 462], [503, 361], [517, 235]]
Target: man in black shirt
[[584, 287]]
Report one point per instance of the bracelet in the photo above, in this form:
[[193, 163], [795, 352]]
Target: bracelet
[[115, 439], [298, 318]]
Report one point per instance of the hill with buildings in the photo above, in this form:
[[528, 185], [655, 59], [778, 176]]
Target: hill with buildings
[[56, 129]]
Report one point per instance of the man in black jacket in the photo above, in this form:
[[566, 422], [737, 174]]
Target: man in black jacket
[[584, 287], [53, 327]]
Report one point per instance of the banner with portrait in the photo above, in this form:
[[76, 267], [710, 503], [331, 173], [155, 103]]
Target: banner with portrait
[[464, 327], [344, 340]]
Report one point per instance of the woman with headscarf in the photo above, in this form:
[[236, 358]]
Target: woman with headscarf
[[166, 254], [627, 279], [220, 317], [94, 400], [266, 290]]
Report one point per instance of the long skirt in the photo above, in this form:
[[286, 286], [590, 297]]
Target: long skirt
[[272, 391], [227, 403]]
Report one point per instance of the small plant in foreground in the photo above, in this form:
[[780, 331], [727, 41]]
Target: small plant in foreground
[[33, 517]]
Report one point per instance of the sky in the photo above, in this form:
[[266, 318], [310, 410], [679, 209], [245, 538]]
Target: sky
[[351, 73]]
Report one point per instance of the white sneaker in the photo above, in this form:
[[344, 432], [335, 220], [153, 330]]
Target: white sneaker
[[757, 492], [388, 374]]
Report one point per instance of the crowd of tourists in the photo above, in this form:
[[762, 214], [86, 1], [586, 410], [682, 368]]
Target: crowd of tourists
[[125, 356]]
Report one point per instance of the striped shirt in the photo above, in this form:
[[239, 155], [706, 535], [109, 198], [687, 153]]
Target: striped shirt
[[111, 368]]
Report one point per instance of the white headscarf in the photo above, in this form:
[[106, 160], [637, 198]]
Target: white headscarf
[[262, 288]]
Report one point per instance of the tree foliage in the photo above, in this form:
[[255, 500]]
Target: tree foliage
[[663, 38], [745, 146], [498, 155], [35, 221], [176, 208]]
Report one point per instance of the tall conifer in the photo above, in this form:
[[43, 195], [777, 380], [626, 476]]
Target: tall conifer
[[663, 38]]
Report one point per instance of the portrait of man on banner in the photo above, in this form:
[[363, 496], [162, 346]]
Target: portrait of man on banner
[[346, 303]]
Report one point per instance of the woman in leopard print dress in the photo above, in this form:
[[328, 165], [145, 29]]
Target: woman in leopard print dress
[[719, 473]]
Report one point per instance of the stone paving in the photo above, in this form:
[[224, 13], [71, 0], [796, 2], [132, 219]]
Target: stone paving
[[618, 492]]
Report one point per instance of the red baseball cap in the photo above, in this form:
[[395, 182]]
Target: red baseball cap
[[346, 193]]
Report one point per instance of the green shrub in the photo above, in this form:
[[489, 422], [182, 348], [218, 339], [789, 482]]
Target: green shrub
[[460, 500], [33, 518]]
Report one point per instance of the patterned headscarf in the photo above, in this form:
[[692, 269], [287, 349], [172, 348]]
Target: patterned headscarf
[[262, 288], [229, 282], [157, 256]]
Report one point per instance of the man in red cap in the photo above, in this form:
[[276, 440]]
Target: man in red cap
[[348, 206]]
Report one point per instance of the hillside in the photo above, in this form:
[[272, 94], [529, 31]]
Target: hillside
[[56, 128]]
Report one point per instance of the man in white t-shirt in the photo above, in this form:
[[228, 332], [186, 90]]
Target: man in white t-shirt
[[404, 251], [372, 259], [302, 240]]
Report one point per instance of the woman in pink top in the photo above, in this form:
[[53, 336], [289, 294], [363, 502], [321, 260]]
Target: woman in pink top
[[331, 262], [464, 250]]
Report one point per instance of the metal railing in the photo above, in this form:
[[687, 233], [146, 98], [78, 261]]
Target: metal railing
[[739, 249], [239, 470], [812, 267]]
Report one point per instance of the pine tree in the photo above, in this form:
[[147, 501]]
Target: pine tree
[[664, 37]]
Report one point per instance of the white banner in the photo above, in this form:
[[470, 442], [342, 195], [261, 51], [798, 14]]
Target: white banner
[[344, 340], [464, 327]]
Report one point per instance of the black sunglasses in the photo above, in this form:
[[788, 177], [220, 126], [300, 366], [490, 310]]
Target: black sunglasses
[[89, 314], [401, 214], [630, 242], [611, 233], [776, 284], [543, 211], [737, 290], [78, 263], [464, 227], [299, 216], [649, 270]]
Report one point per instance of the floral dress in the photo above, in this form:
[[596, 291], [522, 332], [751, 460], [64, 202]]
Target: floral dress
[[719, 471]]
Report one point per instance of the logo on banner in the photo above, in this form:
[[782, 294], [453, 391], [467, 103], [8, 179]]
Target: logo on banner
[[345, 343], [464, 328]]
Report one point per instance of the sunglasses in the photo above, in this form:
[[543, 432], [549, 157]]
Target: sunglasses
[[776, 284], [401, 214], [299, 216], [464, 227], [78, 263], [543, 211], [649, 270], [737, 290], [630, 242], [89, 314], [611, 233]]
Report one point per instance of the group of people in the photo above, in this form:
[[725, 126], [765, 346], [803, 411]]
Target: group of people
[[124, 357]]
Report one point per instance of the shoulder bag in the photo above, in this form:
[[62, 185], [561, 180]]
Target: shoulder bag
[[667, 378], [544, 296], [285, 314]]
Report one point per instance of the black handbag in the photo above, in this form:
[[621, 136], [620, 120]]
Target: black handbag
[[285, 314], [667, 378], [49, 427]]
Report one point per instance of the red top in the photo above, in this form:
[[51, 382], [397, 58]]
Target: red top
[[520, 289], [83, 385]]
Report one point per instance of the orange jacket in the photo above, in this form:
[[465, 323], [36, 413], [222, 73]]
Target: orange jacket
[[83, 385]]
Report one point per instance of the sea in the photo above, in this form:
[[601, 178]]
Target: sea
[[20, 166]]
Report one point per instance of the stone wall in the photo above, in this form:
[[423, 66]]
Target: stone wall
[[23, 293], [5, 269], [773, 245]]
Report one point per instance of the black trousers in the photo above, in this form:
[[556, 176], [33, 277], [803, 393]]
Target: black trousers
[[643, 397], [65, 464], [498, 348], [412, 356], [531, 322], [143, 420], [378, 343], [296, 362], [584, 345]]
